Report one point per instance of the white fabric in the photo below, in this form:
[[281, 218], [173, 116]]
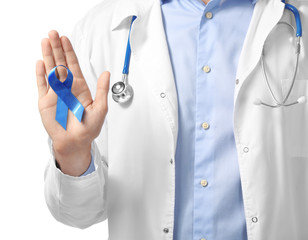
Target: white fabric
[[133, 184]]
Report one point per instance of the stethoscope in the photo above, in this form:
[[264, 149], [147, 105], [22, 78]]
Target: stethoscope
[[122, 92], [298, 32]]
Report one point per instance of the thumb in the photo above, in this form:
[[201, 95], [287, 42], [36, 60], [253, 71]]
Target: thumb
[[100, 102]]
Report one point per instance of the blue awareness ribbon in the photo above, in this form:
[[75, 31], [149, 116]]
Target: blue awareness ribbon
[[66, 100]]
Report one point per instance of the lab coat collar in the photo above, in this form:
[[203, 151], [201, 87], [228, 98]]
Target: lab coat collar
[[125, 9]]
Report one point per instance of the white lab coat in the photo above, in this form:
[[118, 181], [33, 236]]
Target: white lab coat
[[134, 155]]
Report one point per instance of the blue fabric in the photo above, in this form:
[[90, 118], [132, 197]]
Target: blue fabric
[[91, 167], [214, 212]]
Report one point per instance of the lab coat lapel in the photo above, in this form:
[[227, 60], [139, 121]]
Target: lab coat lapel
[[150, 54], [125, 9], [267, 14]]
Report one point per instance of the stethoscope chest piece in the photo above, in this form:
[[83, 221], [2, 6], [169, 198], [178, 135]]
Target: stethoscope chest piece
[[121, 91]]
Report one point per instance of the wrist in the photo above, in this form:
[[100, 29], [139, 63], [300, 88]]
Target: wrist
[[73, 162]]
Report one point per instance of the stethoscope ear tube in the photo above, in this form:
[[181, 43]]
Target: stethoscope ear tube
[[297, 18], [121, 91]]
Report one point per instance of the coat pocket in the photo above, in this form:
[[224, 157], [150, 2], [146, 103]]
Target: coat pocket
[[299, 89], [295, 118]]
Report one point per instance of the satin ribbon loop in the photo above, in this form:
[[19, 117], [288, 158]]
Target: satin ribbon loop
[[66, 99]]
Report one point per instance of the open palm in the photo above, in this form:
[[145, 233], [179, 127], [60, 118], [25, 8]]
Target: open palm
[[59, 51]]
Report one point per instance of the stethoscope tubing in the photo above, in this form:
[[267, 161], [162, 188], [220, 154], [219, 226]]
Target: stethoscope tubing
[[283, 102], [298, 21], [128, 49], [122, 92], [298, 32]]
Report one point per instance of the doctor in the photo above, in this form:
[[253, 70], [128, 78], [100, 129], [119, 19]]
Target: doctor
[[191, 156]]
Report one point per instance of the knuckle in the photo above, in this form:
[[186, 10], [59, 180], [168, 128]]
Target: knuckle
[[60, 59]]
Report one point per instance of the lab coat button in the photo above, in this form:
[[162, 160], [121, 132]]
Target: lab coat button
[[254, 219], [171, 161], [162, 95], [209, 15], [246, 149], [237, 81], [166, 230]]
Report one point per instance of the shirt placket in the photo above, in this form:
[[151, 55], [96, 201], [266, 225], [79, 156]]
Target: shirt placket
[[204, 184]]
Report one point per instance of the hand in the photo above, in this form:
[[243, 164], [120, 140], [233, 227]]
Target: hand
[[71, 147]]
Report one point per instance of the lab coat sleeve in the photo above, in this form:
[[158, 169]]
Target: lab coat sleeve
[[80, 201], [77, 201]]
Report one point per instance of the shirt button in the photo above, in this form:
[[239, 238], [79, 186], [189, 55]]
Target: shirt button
[[237, 81], [206, 69], [204, 183], [209, 15], [171, 161], [205, 125], [166, 230]]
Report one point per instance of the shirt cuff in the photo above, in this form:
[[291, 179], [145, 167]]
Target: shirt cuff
[[91, 167]]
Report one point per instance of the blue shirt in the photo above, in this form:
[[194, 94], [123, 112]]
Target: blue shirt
[[205, 43]]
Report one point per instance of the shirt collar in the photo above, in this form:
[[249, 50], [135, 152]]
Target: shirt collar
[[252, 1]]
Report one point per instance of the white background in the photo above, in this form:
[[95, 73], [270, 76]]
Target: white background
[[23, 141]]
